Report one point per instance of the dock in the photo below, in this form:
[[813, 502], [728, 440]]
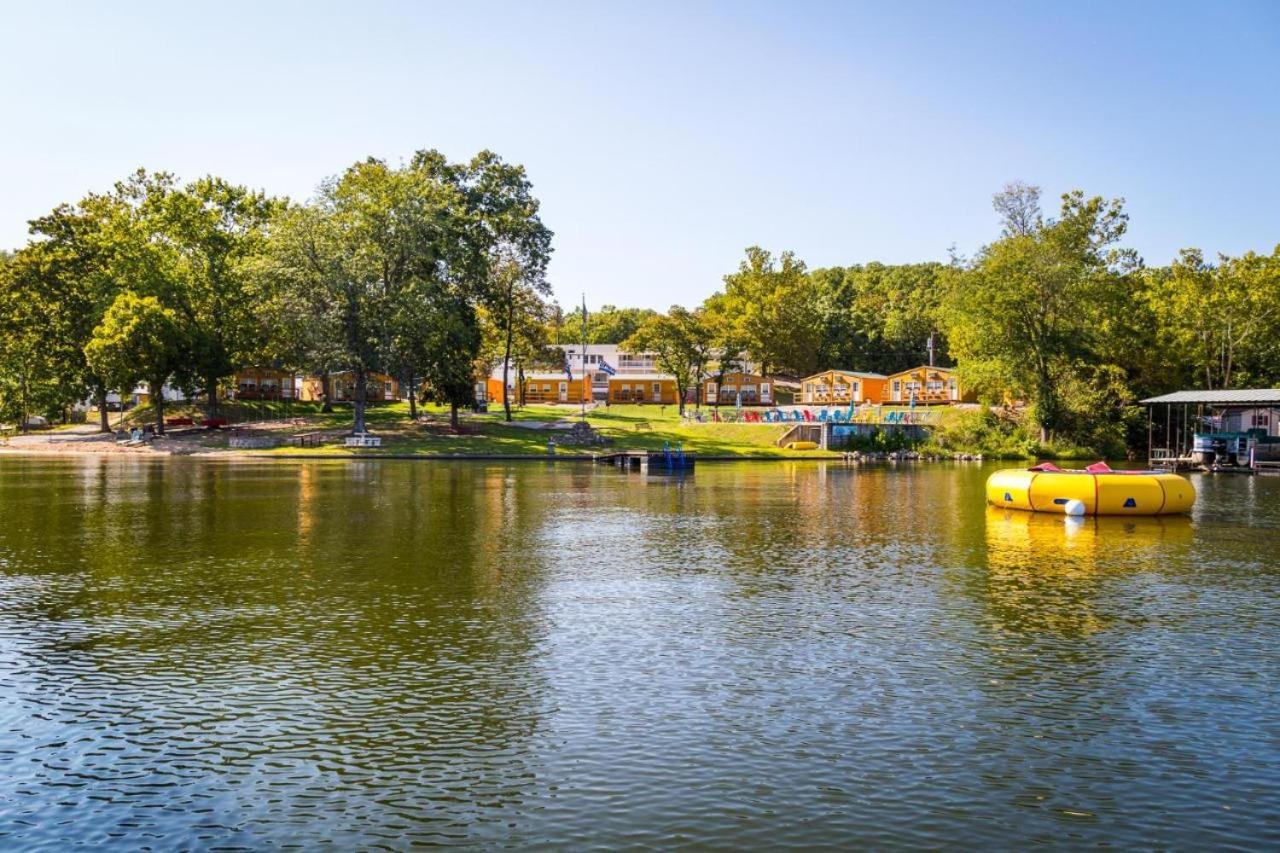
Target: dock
[[650, 461]]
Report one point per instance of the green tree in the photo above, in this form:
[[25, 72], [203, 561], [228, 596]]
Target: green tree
[[511, 250], [1033, 310], [773, 308], [680, 343], [215, 230], [138, 340], [1219, 322], [79, 259], [453, 345], [608, 325], [879, 317], [30, 380]]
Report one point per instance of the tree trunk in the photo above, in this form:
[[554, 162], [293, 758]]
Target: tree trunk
[[24, 414], [361, 377], [157, 401], [506, 359], [453, 416], [326, 392], [413, 399], [104, 417], [211, 407], [520, 381]]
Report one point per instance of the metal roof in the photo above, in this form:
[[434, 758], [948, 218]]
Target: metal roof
[[1235, 397], [862, 374]]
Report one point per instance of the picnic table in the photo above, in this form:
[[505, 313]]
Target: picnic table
[[642, 425], [178, 422], [308, 439], [214, 423]]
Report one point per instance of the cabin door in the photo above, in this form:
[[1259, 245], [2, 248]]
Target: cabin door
[[564, 392]]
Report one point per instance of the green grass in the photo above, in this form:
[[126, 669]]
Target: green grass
[[489, 434]]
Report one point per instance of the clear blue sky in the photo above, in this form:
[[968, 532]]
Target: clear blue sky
[[665, 138]]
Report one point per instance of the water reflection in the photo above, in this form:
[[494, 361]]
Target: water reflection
[[198, 654], [222, 634]]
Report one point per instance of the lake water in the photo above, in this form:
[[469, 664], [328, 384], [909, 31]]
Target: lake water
[[198, 654]]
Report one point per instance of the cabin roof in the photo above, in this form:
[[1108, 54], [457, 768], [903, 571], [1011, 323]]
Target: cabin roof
[[936, 368], [864, 374], [1238, 396]]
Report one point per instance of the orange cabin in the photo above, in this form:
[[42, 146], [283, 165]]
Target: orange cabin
[[755, 390], [842, 388], [926, 385], [643, 388]]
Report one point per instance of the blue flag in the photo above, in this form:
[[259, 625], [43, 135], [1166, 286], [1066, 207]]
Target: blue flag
[[604, 367]]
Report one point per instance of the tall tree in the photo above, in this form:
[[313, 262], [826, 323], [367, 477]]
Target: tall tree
[[1222, 321], [505, 270], [453, 344], [215, 229], [1026, 316], [773, 307], [138, 340], [680, 343], [80, 258]]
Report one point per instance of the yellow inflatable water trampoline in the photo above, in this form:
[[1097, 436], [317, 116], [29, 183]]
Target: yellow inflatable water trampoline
[[1097, 490]]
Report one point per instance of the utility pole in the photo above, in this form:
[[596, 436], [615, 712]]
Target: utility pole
[[931, 349], [582, 389]]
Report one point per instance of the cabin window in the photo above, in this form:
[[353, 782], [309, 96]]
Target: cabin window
[[855, 386], [764, 390], [657, 389], [1261, 419], [897, 386], [711, 389]]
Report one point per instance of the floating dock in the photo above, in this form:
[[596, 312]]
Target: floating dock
[[650, 461]]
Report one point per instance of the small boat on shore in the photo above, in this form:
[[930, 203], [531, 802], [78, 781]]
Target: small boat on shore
[[1096, 490]]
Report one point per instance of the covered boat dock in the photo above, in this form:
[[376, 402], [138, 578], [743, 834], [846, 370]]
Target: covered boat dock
[[1228, 430]]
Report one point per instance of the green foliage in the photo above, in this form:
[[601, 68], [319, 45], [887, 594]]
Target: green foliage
[[771, 308], [214, 232], [608, 325], [1036, 306], [451, 343], [681, 343], [1219, 324], [879, 317], [138, 340]]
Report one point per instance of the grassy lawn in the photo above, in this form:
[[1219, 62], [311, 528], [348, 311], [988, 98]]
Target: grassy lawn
[[630, 428]]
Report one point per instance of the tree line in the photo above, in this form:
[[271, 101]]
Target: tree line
[[435, 272], [409, 270], [1055, 313]]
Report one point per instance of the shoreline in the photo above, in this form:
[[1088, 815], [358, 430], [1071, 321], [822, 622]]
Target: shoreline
[[242, 455]]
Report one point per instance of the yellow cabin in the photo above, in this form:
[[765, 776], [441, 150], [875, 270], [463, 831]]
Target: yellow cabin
[[265, 383], [378, 387], [642, 388], [925, 385], [549, 388], [754, 389], [841, 388]]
